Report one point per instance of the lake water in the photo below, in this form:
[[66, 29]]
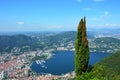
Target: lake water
[[63, 62]]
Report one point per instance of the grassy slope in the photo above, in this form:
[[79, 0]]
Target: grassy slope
[[107, 69]]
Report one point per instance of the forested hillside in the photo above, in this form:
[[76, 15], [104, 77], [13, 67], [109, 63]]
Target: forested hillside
[[9, 42], [106, 69], [44, 41]]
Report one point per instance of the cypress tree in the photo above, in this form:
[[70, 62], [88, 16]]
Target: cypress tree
[[81, 49]]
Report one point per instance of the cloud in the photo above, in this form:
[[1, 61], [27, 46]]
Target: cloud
[[104, 16], [55, 27], [93, 19], [98, 0], [111, 25], [79, 0], [20, 23], [86, 9]]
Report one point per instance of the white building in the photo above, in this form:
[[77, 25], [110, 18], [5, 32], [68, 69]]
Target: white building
[[2, 75]]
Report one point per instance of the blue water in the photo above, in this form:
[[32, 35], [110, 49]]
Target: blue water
[[63, 62]]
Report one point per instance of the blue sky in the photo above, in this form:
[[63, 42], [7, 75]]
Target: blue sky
[[57, 15]]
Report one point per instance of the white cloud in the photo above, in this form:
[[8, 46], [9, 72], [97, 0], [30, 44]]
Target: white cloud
[[111, 25], [86, 9], [79, 0], [20, 23], [93, 19], [98, 0], [104, 16], [106, 13], [55, 27]]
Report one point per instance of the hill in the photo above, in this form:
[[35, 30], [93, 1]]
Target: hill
[[47, 41], [7, 43], [106, 69], [106, 44]]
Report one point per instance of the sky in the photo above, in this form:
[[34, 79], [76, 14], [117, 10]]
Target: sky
[[57, 15]]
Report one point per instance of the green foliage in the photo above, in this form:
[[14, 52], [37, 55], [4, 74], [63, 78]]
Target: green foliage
[[26, 43], [47, 41], [7, 43], [81, 50], [106, 69]]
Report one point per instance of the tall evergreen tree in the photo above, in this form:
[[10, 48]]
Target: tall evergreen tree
[[81, 49]]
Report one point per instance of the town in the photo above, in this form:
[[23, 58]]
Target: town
[[16, 63]]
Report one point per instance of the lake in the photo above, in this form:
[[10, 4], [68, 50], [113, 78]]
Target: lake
[[63, 62]]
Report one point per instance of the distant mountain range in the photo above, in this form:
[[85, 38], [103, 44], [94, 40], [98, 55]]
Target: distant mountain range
[[52, 40]]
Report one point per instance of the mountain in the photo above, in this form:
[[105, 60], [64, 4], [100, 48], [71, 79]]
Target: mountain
[[9, 42], [46, 41], [41, 41], [63, 37], [107, 40], [107, 44]]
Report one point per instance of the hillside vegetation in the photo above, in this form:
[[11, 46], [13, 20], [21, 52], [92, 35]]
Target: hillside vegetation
[[106, 69], [7, 43], [45, 41]]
